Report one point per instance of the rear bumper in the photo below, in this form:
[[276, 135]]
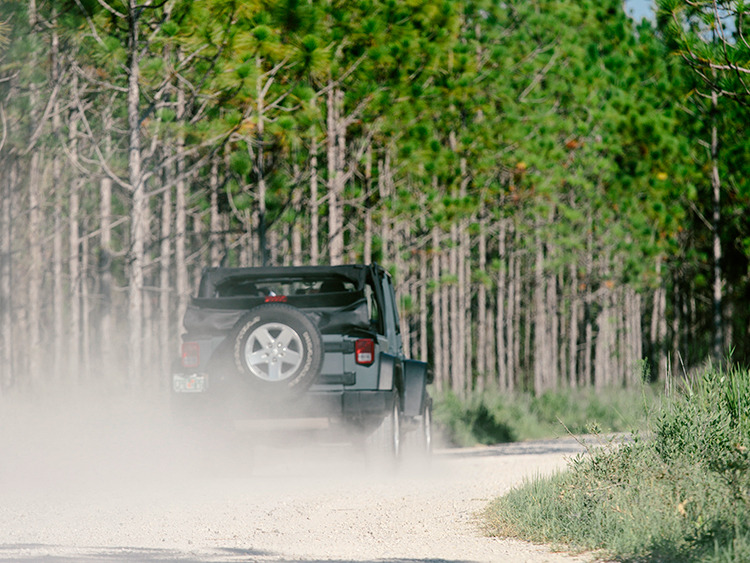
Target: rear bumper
[[364, 403], [321, 401]]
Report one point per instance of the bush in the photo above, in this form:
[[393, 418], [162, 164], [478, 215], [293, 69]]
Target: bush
[[482, 420], [682, 494]]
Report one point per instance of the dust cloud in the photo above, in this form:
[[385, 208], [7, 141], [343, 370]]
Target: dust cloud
[[91, 441], [93, 476], [81, 440]]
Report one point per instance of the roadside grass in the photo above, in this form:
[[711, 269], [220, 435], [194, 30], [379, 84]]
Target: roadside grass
[[680, 493], [493, 417]]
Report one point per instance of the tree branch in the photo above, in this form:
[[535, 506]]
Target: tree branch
[[101, 160], [110, 9], [47, 111], [92, 27], [107, 85]]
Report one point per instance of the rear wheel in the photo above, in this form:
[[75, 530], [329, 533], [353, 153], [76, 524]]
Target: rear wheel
[[418, 442], [424, 432], [383, 445]]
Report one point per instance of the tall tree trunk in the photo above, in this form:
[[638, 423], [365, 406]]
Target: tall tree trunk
[[402, 289], [58, 343], [35, 269], [718, 282], [368, 197], [464, 286], [180, 211], [198, 234], [501, 321], [491, 360], [214, 237], [180, 242], [74, 243], [260, 164], [676, 318], [106, 335], [58, 291], [602, 350], [384, 191], [437, 324], [540, 321], [462, 303], [85, 346], [106, 349], [423, 311], [659, 324], [272, 257], [573, 328], [634, 337], [138, 210], [335, 137], [456, 338], [513, 324], [588, 350], [445, 309], [165, 259], [482, 333], [6, 297], [36, 195], [552, 331], [620, 343], [465, 320], [314, 201], [297, 226], [607, 327], [562, 341]]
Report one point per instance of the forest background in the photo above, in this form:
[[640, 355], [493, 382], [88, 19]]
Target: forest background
[[559, 192]]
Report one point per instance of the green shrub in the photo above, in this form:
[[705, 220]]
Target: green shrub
[[482, 420], [681, 494]]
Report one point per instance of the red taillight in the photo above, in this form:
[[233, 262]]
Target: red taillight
[[190, 355], [276, 299], [364, 351]]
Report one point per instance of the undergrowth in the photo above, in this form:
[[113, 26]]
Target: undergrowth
[[680, 493], [493, 417]]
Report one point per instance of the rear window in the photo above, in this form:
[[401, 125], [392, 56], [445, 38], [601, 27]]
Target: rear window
[[258, 287]]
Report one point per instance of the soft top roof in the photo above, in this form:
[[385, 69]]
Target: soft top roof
[[355, 273]]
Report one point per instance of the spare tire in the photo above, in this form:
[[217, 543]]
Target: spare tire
[[278, 349]]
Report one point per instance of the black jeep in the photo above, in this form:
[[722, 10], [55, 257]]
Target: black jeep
[[310, 345]]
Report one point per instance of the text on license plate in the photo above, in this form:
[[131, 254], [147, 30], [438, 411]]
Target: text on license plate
[[194, 383]]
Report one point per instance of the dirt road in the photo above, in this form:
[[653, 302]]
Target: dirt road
[[112, 487]]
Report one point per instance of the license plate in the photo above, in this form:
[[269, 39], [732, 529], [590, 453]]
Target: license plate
[[194, 383]]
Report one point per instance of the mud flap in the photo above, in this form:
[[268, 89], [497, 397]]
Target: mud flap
[[415, 379]]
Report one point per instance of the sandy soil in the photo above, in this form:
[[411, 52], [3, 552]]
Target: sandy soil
[[110, 484]]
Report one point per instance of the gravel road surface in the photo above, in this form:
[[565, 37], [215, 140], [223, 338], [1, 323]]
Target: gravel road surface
[[110, 484]]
